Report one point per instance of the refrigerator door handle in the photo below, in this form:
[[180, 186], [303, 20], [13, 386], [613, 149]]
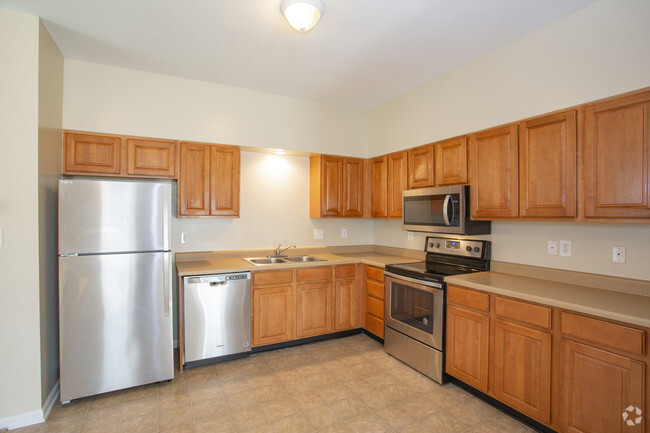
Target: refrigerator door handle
[[167, 301], [166, 217]]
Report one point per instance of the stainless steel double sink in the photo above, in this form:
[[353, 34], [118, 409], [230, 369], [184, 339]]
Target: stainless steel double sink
[[259, 261]]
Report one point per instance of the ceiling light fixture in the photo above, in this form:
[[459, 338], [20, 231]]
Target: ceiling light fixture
[[302, 15]]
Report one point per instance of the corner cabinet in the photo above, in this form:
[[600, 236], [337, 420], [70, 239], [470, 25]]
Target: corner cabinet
[[617, 157], [208, 185], [335, 186]]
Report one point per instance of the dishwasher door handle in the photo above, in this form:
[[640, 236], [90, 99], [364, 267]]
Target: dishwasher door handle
[[218, 283]]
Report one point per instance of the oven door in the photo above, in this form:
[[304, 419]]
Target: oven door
[[414, 308]]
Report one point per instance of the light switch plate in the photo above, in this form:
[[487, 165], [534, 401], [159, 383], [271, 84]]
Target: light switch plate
[[183, 237], [410, 236], [344, 233], [318, 233], [0, 237]]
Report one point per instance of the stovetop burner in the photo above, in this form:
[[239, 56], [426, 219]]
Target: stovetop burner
[[446, 257]]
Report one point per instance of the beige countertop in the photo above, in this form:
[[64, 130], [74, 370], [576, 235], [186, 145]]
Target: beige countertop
[[609, 304], [222, 265]]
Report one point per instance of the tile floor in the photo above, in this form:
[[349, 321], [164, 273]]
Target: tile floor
[[335, 386]]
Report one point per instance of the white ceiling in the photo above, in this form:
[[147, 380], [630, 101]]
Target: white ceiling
[[361, 53]]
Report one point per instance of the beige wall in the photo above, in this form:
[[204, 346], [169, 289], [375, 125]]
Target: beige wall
[[50, 113], [20, 360], [597, 52], [109, 99]]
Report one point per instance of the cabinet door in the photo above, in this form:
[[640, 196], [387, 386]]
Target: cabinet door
[[194, 180], [331, 186], [616, 158], [345, 305], [397, 182], [313, 309], [547, 166], [352, 187], [94, 154], [598, 387], [451, 161], [522, 369], [494, 178], [378, 167], [468, 337], [272, 315], [224, 181], [151, 158], [420, 167]]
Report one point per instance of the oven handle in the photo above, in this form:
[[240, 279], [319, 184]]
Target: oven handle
[[413, 280]]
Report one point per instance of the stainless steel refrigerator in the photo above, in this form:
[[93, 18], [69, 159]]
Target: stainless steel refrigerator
[[115, 307]]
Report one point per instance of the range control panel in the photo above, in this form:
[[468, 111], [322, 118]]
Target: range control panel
[[457, 247]]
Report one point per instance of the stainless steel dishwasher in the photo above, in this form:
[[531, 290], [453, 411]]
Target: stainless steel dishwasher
[[217, 315]]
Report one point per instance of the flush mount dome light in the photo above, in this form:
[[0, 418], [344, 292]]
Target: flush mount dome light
[[302, 15]]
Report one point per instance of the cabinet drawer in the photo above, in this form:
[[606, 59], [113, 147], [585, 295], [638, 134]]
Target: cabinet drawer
[[374, 325], [375, 307], [523, 311], [469, 298], [345, 271], [375, 273], [620, 337], [375, 289], [314, 274], [262, 278]]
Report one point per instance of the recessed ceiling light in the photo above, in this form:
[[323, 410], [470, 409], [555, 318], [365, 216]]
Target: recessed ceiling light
[[302, 15]]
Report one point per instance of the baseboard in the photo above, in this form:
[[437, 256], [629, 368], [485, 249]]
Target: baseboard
[[31, 418], [22, 420], [51, 400]]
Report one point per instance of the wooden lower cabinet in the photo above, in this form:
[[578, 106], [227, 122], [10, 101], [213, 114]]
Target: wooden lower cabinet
[[374, 300], [598, 386], [522, 369], [346, 298], [570, 372], [272, 315], [468, 338], [313, 309]]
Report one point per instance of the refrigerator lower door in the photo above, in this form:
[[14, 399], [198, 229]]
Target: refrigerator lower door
[[115, 322]]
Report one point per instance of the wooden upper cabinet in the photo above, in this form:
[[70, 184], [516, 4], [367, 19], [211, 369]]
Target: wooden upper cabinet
[[451, 161], [617, 157], [224, 180], [336, 186], [494, 173], [92, 154], [397, 181], [420, 167], [148, 157], [353, 187], [379, 176], [547, 166], [208, 184], [115, 155]]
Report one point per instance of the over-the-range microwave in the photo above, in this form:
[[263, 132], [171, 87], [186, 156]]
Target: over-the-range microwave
[[440, 210]]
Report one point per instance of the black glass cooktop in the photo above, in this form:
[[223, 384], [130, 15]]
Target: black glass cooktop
[[428, 271]]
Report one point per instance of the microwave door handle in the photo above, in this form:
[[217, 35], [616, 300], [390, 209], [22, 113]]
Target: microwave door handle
[[445, 209]]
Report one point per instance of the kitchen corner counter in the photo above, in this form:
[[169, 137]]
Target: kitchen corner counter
[[237, 264], [609, 304]]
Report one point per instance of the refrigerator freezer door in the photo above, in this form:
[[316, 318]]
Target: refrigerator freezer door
[[108, 216], [115, 322]]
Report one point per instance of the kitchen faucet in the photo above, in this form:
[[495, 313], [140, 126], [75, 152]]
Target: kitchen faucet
[[279, 251]]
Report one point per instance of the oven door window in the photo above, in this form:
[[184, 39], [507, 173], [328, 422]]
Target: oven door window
[[412, 306]]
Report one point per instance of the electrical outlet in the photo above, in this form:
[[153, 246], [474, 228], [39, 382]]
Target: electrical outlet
[[410, 236], [565, 248], [618, 254], [552, 248], [344, 233], [318, 233]]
